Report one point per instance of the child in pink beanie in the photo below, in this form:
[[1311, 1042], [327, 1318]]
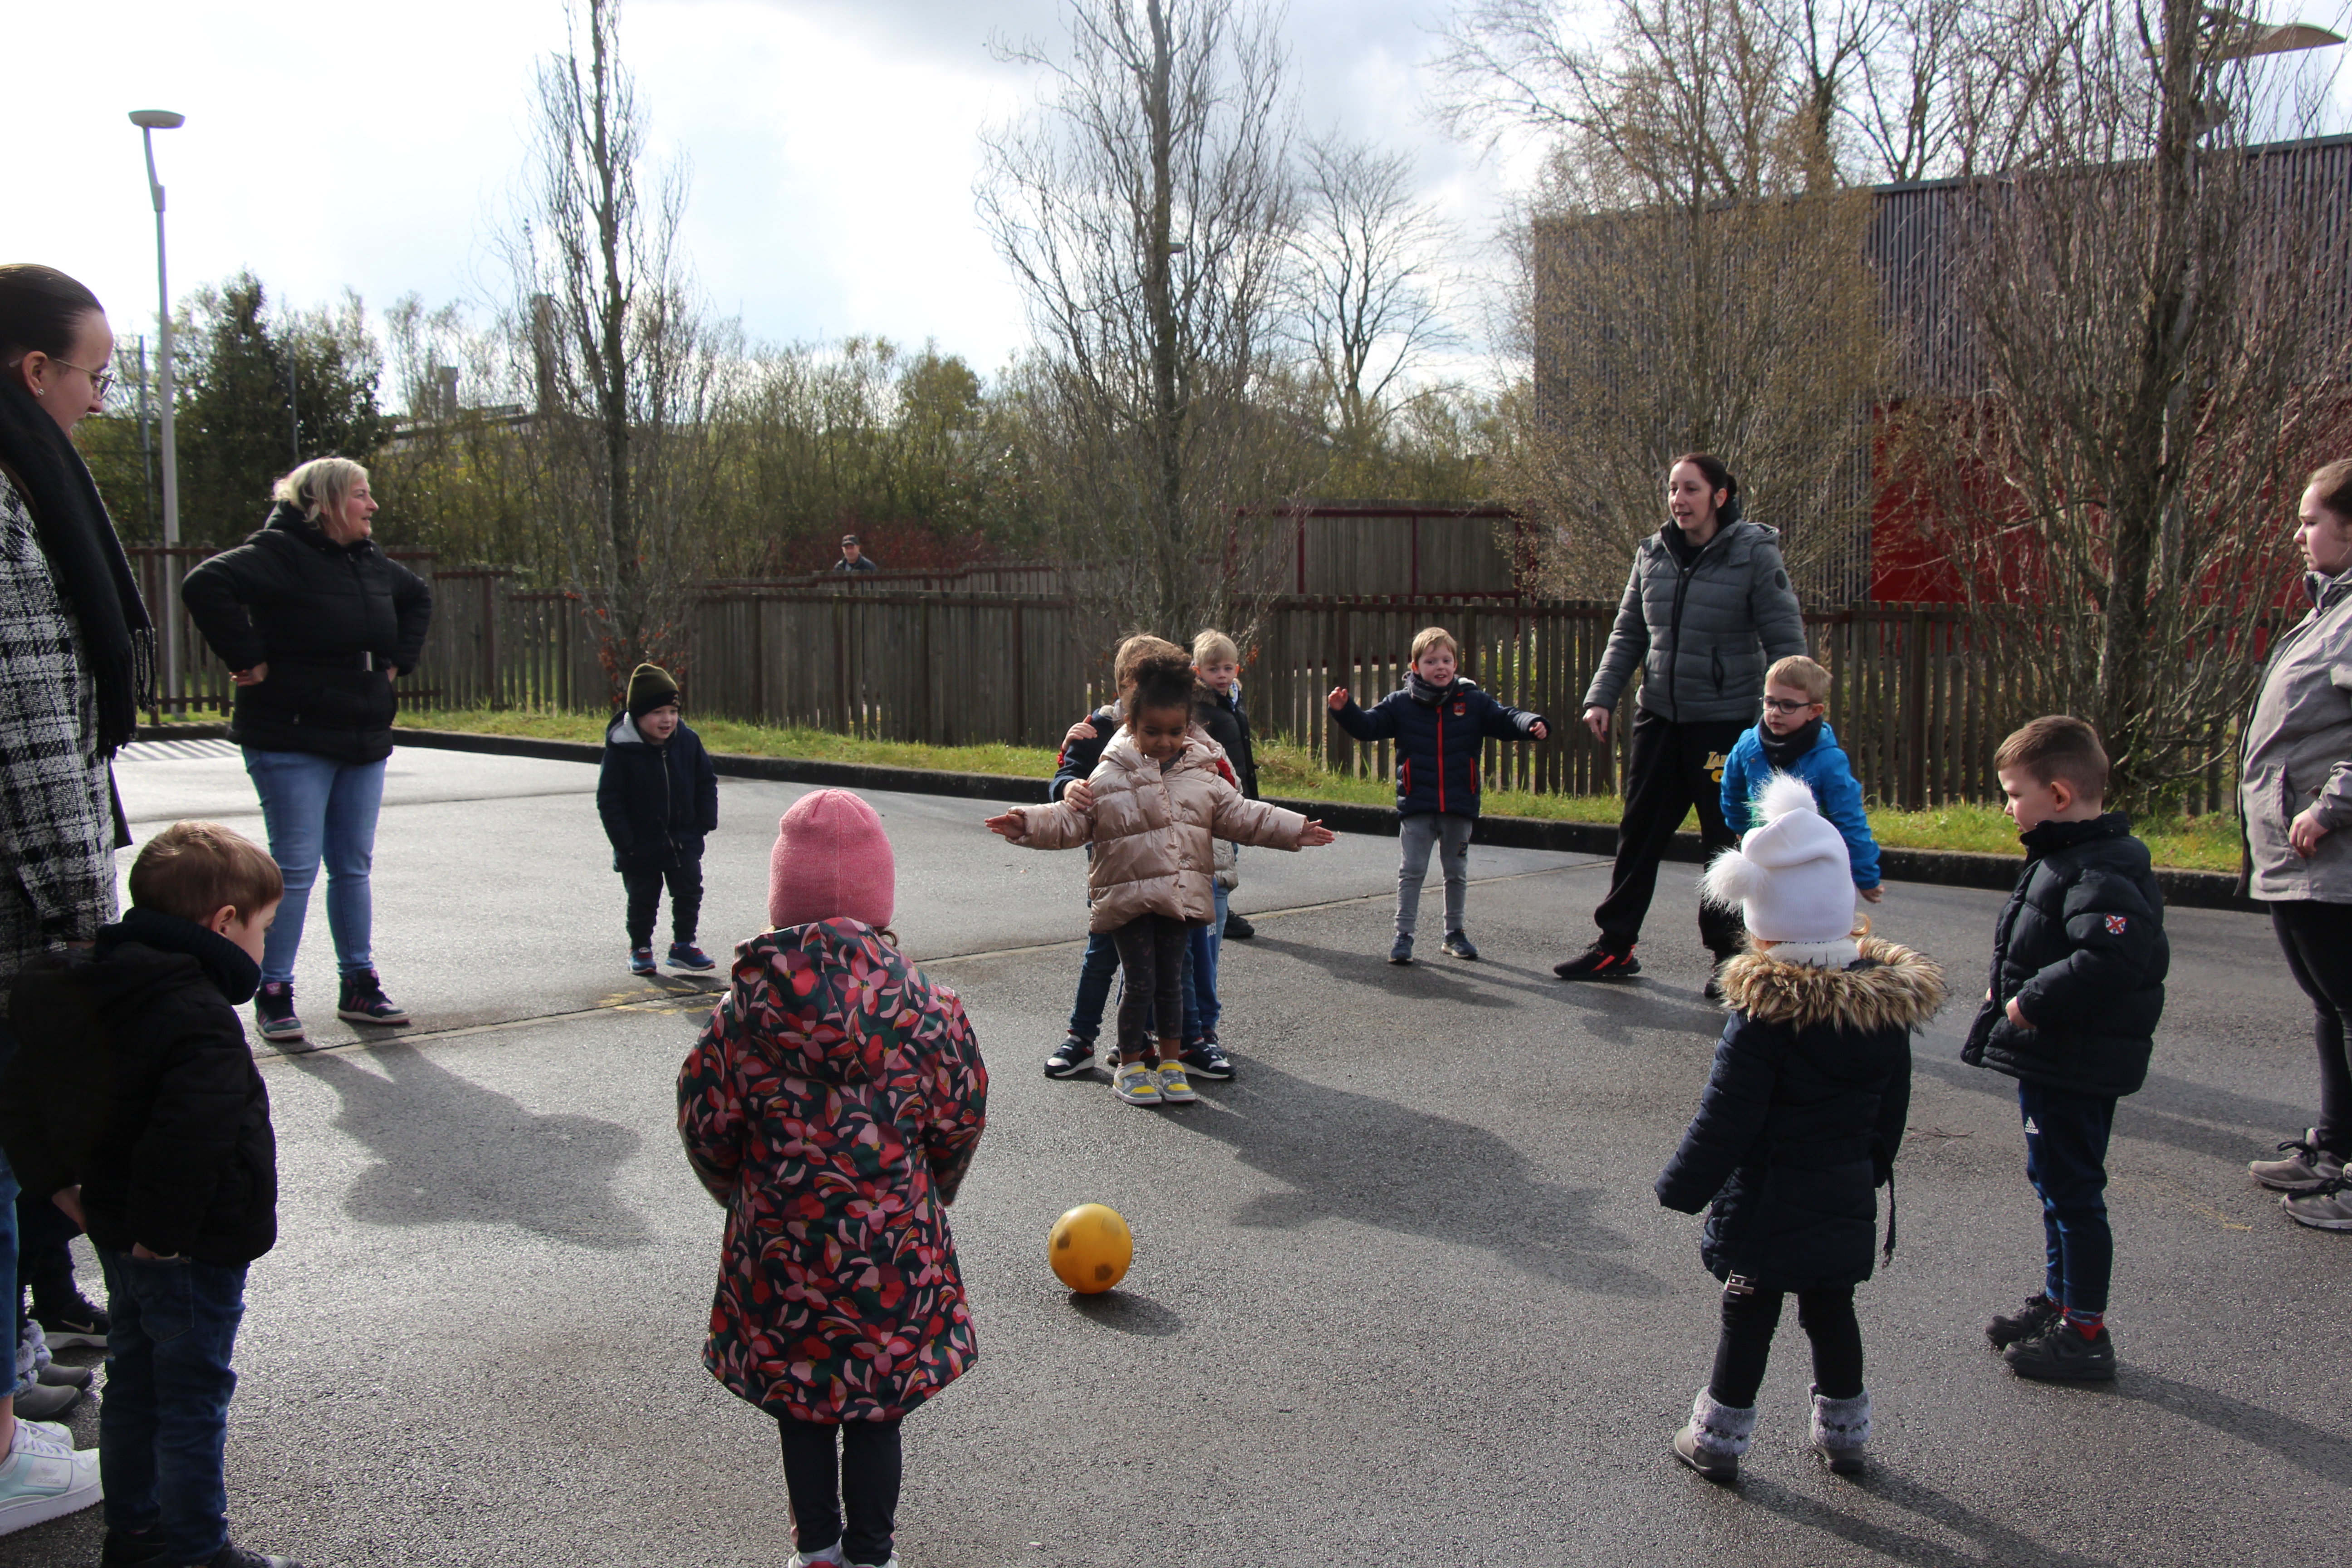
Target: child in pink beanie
[[832, 1106]]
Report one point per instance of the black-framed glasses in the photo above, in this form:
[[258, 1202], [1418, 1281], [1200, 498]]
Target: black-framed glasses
[[1782, 705], [101, 381]]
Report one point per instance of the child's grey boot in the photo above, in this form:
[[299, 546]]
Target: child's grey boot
[[1840, 1432], [1715, 1438]]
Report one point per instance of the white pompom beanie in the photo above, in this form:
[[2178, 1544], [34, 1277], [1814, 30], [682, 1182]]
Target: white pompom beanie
[[1790, 878]]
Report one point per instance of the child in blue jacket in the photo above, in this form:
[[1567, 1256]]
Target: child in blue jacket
[[1796, 739], [1440, 724], [658, 797]]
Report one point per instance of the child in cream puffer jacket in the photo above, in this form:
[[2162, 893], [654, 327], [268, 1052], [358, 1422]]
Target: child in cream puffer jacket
[[1161, 800]]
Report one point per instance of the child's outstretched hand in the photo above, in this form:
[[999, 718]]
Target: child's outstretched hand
[[1540, 731], [1084, 729], [1010, 823], [1338, 700], [1315, 833]]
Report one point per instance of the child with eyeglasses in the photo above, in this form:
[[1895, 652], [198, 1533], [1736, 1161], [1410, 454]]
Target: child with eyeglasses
[[1795, 738]]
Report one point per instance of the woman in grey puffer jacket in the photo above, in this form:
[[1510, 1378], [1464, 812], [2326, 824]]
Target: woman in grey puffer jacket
[[1706, 610], [2294, 793]]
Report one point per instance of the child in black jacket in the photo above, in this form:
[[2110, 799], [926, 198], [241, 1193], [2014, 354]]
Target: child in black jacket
[[1437, 774], [659, 795], [134, 1101], [2078, 964], [1799, 1124]]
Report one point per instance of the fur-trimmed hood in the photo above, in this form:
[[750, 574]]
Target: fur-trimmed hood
[[1892, 987]]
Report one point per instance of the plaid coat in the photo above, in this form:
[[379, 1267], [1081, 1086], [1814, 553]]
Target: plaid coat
[[833, 1106], [56, 795]]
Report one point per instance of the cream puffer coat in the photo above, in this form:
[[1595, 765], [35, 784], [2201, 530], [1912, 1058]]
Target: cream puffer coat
[[1155, 833]]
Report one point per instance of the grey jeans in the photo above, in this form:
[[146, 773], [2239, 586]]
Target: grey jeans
[[1451, 835]]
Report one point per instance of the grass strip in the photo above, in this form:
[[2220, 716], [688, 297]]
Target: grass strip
[[2206, 843]]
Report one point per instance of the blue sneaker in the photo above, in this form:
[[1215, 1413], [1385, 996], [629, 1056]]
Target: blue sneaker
[[686, 956], [641, 962], [1403, 952], [1457, 945]]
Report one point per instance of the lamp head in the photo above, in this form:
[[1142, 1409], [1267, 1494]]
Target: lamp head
[[157, 120]]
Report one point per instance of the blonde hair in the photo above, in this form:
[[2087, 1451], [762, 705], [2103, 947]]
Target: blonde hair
[[1213, 647], [1434, 636], [1134, 651], [321, 481], [1802, 673]]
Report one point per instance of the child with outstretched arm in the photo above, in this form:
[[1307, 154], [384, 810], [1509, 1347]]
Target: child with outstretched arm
[[1157, 802], [1440, 721]]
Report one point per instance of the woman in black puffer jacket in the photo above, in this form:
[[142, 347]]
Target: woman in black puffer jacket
[[313, 622]]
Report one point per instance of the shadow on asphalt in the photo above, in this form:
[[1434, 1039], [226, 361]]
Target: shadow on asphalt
[[1429, 1176], [1994, 1541], [2170, 1110], [1128, 1314], [2325, 1453], [447, 1151]]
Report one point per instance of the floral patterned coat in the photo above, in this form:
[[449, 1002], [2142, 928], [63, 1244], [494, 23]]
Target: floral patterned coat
[[833, 1105]]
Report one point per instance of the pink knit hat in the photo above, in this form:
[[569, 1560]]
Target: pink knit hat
[[831, 858]]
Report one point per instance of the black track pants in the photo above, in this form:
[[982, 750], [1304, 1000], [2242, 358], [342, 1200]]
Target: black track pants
[[2317, 941], [1746, 1343], [1674, 767]]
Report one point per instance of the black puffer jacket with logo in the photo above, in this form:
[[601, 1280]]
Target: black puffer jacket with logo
[[658, 801], [2081, 947], [1702, 634], [332, 622]]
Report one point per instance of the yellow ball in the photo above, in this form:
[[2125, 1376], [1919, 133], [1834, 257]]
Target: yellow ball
[[1090, 1247]]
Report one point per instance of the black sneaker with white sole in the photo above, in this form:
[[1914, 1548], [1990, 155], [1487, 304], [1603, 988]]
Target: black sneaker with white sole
[[71, 1324], [1206, 1058], [1071, 1056], [364, 1001], [1599, 963]]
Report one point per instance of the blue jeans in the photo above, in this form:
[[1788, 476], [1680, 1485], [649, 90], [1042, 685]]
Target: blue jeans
[[2066, 1161], [1099, 967], [165, 1424], [1201, 1008], [318, 809]]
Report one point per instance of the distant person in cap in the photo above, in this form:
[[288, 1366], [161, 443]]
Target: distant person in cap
[[853, 557]]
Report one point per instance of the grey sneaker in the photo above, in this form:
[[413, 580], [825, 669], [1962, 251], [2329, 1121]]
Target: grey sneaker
[[2306, 1168], [2325, 1207], [1403, 952], [1457, 945]]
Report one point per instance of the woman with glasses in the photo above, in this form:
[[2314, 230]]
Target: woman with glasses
[[76, 663], [1708, 609]]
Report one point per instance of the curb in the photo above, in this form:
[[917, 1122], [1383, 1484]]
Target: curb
[[1933, 868]]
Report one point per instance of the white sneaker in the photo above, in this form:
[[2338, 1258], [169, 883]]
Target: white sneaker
[[41, 1480], [828, 1558], [1136, 1083], [1174, 1086]]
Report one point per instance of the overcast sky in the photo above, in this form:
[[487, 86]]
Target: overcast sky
[[833, 146]]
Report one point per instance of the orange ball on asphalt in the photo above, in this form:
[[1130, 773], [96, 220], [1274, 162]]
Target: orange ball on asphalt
[[1090, 1247]]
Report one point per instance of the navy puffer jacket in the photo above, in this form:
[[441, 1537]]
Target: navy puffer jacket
[[657, 802], [2081, 946], [1803, 1115], [1439, 733]]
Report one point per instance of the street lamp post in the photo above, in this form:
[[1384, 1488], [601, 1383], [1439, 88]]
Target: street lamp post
[[150, 120]]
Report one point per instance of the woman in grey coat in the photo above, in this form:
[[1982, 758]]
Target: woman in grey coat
[[2294, 793], [1706, 610]]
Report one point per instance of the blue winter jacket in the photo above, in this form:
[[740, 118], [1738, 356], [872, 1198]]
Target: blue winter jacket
[[657, 802], [1826, 773], [1439, 733]]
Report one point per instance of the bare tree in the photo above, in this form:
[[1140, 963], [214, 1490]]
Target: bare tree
[[2151, 333], [1367, 308], [1144, 206], [1693, 276], [625, 372]]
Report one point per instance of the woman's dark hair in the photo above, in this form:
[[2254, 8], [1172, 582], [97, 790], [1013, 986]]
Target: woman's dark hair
[[1719, 477], [41, 310], [1161, 682], [2334, 483]]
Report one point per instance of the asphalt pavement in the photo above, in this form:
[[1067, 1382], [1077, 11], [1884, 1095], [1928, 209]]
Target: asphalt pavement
[[1402, 1291]]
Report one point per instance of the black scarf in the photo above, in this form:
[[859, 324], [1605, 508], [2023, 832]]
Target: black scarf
[[228, 966], [1781, 750], [86, 560], [1423, 692]]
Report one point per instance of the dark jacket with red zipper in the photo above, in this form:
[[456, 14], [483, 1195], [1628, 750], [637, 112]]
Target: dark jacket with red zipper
[[1439, 733]]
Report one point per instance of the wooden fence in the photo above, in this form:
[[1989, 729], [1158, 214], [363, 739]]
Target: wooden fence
[[1916, 707]]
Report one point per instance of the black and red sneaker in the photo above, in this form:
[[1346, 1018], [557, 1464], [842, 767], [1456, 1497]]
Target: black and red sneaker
[[1599, 963]]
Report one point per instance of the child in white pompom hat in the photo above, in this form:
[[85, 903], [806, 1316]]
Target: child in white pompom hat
[[1798, 1127]]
